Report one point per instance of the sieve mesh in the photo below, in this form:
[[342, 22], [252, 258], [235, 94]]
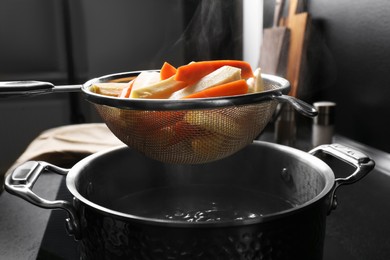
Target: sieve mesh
[[190, 131], [188, 136]]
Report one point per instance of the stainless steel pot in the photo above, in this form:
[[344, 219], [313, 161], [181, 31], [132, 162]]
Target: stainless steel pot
[[267, 201]]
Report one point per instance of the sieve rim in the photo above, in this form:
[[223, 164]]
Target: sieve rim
[[282, 87]]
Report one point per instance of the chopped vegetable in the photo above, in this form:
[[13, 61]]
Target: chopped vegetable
[[207, 145], [214, 122], [127, 90], [255, 83], [160, 89], [203, 79], [238, 87], [220, 76], [167, 71], [165, 136], [108, 89], [194, 71], [183, 128], [122, 80], [145, 78], [146, 121], [251, 85], [259, 84]]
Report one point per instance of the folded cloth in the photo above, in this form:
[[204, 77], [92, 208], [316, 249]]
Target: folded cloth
[[66, 145]]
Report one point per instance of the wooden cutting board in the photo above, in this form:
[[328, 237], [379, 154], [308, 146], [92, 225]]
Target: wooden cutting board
[[298, 23], [274, 48]]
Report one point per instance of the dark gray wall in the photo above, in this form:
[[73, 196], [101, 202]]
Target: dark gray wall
[[349, 63], [68, 42], [355, 66], [124, 35], [32, 46]]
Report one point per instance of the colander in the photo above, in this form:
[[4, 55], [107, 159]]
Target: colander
[[189, 131]]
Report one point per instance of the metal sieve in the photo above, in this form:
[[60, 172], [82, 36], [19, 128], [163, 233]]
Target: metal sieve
[[190, 131]]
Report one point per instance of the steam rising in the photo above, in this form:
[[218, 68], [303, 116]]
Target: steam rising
[[211, 30]]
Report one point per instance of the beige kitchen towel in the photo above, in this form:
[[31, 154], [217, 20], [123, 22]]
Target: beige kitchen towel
[[66, 145]]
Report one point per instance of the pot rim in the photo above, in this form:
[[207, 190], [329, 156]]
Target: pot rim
[[323, 168]]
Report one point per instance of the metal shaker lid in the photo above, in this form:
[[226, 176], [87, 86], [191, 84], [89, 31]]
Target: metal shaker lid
[[326, 112]]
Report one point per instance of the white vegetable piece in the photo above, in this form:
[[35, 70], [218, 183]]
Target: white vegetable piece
[[259, 84], [145, 78], [159, 89], [251, 84]]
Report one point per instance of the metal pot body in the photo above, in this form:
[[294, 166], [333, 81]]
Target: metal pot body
[[99, 181], [297, 233], [299, 236]]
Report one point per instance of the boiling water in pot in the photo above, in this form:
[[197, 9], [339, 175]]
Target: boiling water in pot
[[200, 203]]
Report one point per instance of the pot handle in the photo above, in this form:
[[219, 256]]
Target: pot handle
[[21, 181], [360, 161]]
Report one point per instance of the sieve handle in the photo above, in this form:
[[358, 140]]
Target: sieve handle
[[300, 106], [21, 180], [32, 87], [362, 163]]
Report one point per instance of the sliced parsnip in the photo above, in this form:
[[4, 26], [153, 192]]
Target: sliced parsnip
[[259, 84], [214, 122], [208, 146], [160, 89], [251, 84], [145, 78], [162, 137], [108, 89], [255, 83], [220, 76]]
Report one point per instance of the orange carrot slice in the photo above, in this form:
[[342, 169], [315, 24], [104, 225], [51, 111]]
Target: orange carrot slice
[[238, 87], [127, 90], [194, 71], [167, 71]]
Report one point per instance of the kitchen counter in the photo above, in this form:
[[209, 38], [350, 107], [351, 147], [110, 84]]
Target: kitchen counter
[[358, 229]]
